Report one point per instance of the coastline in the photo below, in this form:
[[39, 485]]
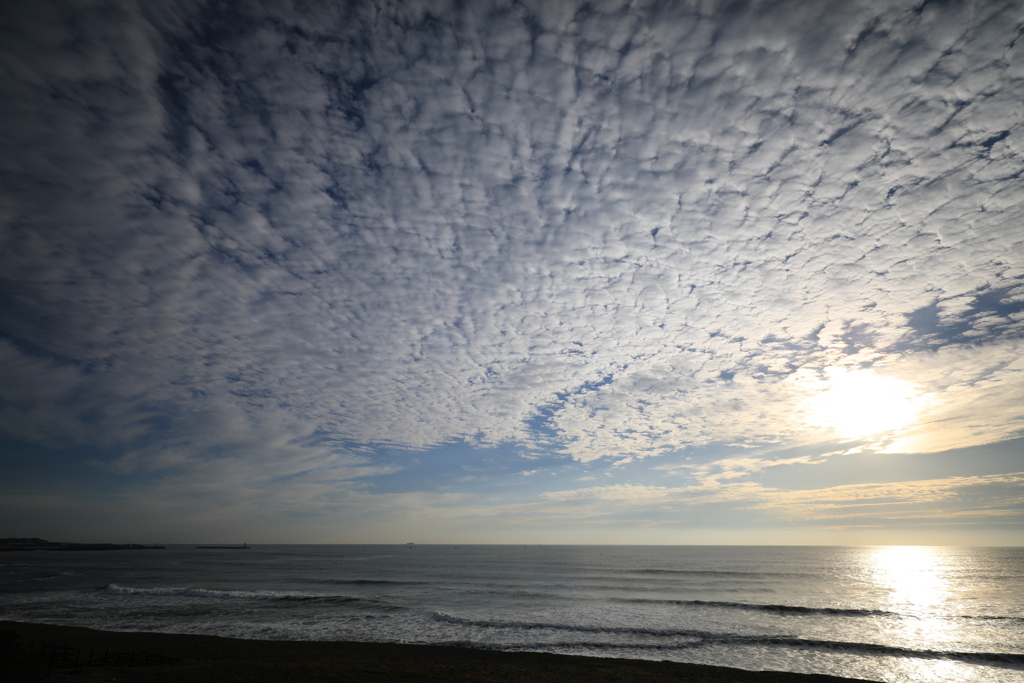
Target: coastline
[[214, 658]]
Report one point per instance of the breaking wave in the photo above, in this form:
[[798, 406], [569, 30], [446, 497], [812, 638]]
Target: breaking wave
[[756, 607], [697, 639], [213, 594]]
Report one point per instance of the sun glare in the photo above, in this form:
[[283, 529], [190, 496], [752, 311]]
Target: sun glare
[[913, 575], [862, 403]]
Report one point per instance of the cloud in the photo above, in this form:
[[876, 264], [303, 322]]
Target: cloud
[[959, 497], [605, 232], [996, 495], [711, 474]]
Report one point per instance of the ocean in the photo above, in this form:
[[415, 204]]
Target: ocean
[[921, 614]]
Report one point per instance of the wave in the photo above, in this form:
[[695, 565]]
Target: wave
[[528, 625], [992, 658], [45, 576], [698, 639], [799, 609], [985, 617], [717, 573], [210, 593], [367, 582], [774, 609], [998, 659]]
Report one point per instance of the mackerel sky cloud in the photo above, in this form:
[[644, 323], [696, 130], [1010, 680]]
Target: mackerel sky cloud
[[347, 271]]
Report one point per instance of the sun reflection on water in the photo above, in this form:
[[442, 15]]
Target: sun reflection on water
[[915, 577], [919, 586]]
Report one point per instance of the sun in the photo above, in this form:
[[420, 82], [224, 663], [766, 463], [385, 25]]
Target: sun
[[861, 403]]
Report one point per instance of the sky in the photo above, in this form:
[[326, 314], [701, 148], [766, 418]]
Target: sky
[[630, 272]]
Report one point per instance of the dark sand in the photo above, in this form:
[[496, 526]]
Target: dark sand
[[209, 658]]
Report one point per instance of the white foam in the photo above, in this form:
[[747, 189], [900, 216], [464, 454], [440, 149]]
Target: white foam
[[215, 594]]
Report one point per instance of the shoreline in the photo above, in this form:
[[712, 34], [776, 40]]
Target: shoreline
[[214, 658]]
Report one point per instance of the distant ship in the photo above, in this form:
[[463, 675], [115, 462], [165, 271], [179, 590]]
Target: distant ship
[[409, 544], [244, 546]]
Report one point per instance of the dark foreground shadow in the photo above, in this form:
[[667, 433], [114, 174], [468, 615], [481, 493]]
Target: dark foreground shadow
[[166, 658]]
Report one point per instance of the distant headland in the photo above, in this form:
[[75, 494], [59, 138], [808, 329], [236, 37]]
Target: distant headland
[[27, 544]]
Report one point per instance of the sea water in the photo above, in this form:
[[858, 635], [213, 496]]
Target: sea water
[[879, 613]]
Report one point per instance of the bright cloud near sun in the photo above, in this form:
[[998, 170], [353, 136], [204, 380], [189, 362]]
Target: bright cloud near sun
[[860, 403]]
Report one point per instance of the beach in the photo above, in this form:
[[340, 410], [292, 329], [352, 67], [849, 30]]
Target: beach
[[213, 658]]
